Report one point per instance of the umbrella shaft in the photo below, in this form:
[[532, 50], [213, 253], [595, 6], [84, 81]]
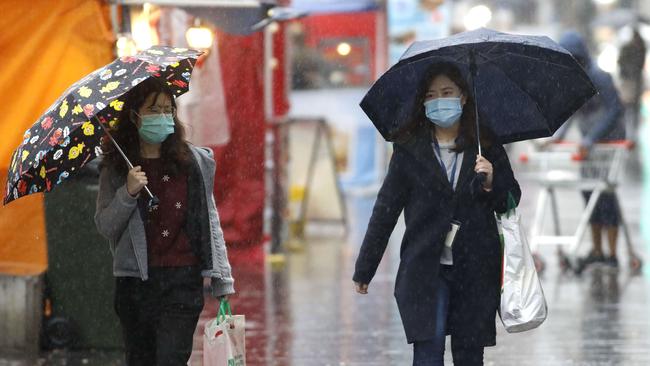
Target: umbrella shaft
[[119, 149], [473, 72], [478, 133]]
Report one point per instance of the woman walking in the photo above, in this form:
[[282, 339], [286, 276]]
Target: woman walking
[[160, 252], [446, 283]]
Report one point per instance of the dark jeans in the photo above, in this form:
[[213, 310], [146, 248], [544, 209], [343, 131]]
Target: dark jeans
[[432, 352], [158, 316]]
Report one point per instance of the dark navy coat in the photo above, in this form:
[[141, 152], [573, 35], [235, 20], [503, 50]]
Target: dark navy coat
[[416, 184]]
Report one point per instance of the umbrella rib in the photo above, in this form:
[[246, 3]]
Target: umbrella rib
[[85, 161], [541, 61], [531, 58], [523, 91], [455, 57], [137, 68], [506, 74], [487, 53]]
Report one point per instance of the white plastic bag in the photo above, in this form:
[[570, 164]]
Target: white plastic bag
[[224, 339], [523, 305]]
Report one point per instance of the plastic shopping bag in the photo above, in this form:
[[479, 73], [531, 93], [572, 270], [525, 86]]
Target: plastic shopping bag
[[224, 340], [523, 305]]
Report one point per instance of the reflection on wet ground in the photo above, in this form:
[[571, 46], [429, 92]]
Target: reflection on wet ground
[[311, 315], [308, 313]]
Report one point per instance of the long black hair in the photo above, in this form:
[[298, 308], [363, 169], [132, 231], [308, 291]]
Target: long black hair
[[174, 152], [418, 122]]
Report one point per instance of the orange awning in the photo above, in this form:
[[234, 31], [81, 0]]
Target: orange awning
[[45, 46]]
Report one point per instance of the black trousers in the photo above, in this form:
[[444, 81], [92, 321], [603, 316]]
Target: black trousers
[[431, 352], [159, 316]]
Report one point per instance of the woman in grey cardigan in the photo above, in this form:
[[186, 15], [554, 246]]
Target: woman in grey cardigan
[[160, 252]]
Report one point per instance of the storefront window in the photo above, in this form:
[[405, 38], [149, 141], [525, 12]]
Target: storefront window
[[342, 62]]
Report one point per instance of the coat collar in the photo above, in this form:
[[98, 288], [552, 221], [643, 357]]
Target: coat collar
[[420, 146], [467, 168]]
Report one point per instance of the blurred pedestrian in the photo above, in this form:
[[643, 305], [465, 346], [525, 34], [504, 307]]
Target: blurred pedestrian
[[631, 61], [600, 120], [160, 253], [446, 283]]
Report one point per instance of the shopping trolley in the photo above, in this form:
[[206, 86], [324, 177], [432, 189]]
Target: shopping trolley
[[561, 166]]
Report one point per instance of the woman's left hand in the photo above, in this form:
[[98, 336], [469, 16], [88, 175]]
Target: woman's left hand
[[484, 166]]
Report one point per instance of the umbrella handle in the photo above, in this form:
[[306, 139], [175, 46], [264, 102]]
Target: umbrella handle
[[482, 177], [153, 200]]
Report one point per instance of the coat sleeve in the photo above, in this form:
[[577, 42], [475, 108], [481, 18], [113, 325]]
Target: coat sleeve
[[503, 181], [389, 204], [612, 105], [221, 280], [224, 283], [114, 207]]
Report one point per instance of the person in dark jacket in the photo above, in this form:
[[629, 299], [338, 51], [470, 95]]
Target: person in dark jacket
[[443, 286], [160, 253], [631, 61], [599, 120]]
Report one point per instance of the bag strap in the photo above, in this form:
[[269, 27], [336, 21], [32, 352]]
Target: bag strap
[[511, 206], [224, 311]]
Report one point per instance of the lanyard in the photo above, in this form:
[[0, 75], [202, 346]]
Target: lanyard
[[451, 177]]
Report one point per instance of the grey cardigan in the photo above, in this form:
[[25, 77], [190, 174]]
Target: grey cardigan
[[119, 220]]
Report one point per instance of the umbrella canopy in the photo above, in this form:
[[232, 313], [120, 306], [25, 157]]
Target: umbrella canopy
[[69, 133], [525, 87]]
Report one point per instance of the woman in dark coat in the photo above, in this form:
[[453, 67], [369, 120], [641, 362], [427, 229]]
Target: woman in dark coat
[[437, 177]]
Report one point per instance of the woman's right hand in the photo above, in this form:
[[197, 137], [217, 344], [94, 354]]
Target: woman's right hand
[[362, 288], [135, 181]]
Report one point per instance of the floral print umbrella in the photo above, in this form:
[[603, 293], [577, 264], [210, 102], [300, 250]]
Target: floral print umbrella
[[69, 133]]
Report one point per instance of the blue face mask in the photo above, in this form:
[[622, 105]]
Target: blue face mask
[[444, 112], [156, 128]]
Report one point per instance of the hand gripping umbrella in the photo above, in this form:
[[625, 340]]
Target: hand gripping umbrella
[[524, 87], [68, 135]]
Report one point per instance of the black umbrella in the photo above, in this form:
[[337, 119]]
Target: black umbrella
[[525, 87]]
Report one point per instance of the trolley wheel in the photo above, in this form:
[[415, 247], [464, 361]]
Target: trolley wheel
[[540, 265], [635, 264]]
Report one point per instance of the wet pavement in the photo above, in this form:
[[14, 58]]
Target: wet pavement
[[307, 312], [599, 318]]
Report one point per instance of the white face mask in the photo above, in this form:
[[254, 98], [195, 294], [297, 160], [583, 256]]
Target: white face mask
[[444, 112]]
